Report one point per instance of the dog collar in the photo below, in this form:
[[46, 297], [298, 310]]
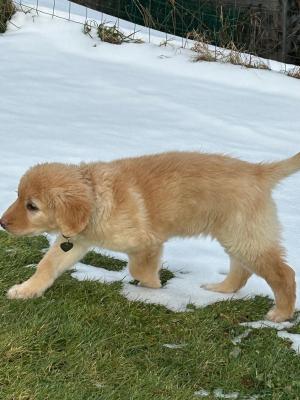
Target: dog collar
[[66, 246]]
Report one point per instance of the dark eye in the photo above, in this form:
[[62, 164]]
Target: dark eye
[[31, 207]]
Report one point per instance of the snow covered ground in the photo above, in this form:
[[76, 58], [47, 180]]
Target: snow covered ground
[[68, 97]]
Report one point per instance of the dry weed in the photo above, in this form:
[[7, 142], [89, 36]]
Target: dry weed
[[201, 48], [112, 34], [7, 9], [294, 73]]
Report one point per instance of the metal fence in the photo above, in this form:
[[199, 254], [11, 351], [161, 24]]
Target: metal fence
[[267, 28]]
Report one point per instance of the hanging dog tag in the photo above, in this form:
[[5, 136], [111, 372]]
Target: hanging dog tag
[[66, 246]]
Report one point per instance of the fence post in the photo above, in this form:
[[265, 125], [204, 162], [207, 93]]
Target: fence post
[[284, 30]]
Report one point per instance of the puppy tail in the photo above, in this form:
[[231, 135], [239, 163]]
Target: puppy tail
[[276, 171]]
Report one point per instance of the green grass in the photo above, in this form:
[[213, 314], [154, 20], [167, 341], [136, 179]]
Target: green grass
[[98, 260], [7, 9], [84, 341]]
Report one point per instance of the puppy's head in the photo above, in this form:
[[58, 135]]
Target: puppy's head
[[51, 197]]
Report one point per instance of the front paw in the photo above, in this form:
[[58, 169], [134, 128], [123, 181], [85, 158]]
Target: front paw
[[25, 290]]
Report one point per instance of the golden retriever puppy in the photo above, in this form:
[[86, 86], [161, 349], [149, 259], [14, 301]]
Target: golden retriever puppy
[[134, 205]]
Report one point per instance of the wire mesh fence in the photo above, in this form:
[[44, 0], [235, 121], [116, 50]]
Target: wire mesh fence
[[269, 29], [62, 9]]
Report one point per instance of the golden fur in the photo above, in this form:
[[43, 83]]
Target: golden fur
[[134, 205]]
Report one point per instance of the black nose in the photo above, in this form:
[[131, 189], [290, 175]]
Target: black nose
[[3, 223]]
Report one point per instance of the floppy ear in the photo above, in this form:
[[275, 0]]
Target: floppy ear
[[72, 209]]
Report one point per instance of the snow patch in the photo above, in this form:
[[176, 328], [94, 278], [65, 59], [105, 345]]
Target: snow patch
[[30, 266], [292, 337], [85, 272], [202, 393], [174, 346], [238, 339], [269, 324], [219, 394], [279, 326]]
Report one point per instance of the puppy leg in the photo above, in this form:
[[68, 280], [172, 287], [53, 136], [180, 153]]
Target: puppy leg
[[253, 238], [144, 267], [234, 281], [281, 278], [270, 265], [54, 263]]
